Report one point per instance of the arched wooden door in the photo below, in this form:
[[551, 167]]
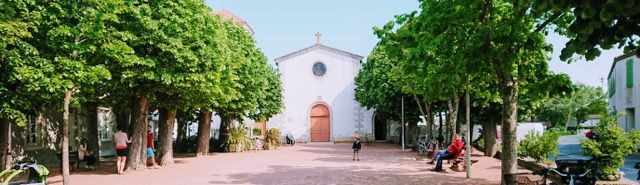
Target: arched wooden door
[[320, 123]]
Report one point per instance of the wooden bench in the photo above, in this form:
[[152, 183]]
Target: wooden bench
[[460, 164], [432, 148], [74, 160]]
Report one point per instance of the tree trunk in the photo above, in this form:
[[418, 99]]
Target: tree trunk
[[5, 128], [165, 140], [447, 127], [509, 119], [66, 180], [430, 121], [137, 158], [452, 117], [204, 133], [566, 123], [92, 131], [578, 121], [490, 134], [182, 129], [412, 134], [225, 122], [135, 111], [460, 119], [123, 119], [440, 124]]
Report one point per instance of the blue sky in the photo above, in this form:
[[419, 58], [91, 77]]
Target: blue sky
[[285, 26]]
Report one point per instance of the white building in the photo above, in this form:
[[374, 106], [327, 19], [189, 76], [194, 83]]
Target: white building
[[319, 95], [624, 81]]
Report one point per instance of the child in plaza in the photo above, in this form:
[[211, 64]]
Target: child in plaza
[[151, 147], [356, 148]]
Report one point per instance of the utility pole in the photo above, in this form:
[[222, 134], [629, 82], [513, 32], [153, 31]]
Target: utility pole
[[402, 119], [468, 135]]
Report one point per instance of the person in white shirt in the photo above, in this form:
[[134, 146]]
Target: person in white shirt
[[85, 155], [121, 139]]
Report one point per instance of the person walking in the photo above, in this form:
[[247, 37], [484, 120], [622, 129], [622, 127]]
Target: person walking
[[151, 147], [356, 148], [121, 139]]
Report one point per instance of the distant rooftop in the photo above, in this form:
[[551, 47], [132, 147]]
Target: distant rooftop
[[227, 15]]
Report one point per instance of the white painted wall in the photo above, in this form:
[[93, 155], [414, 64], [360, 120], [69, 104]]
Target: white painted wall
[[303, 90], [626, 97]]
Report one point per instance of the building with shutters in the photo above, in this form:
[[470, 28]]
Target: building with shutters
[[624, 90]]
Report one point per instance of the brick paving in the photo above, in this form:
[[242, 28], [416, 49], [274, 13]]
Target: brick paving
[[300, 164]]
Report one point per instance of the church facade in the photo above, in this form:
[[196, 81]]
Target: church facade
[[319, 96]]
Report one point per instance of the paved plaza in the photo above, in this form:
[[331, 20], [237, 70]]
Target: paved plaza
[[300, 164]]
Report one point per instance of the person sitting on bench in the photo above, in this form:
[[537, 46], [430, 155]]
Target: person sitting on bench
[[85, 155], [453, 152]]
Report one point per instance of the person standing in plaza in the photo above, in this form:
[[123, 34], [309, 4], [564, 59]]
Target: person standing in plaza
[[356, 148], [121, 139], [151, 147]]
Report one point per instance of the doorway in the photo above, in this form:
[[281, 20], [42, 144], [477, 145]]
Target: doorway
[[380, 128], [320, 123]]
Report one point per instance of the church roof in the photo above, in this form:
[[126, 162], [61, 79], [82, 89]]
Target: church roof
[[227, 15], [318, 46]]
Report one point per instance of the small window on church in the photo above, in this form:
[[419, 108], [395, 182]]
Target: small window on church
[[319, 69]]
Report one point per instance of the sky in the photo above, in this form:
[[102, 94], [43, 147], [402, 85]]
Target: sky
[[284, 26]]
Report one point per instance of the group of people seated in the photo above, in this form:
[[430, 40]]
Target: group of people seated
[[452, 152]]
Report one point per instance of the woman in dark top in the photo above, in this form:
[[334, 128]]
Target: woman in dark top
[[356, 148]]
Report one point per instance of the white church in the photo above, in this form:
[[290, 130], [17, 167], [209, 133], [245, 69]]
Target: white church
[[319, 96]]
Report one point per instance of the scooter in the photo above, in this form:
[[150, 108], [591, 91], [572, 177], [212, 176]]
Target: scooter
[[29, 173]]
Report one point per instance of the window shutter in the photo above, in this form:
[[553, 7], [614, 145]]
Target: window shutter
[[630, 73]]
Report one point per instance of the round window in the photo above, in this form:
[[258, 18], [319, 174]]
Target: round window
[[319, 69]]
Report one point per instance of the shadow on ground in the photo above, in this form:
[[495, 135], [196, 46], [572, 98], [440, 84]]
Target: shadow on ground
[[356, 175]]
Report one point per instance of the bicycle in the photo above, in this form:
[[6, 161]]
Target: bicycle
[[570, 172], [422, 147]]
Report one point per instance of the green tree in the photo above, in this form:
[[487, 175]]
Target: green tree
[[594, 25], [375, 89], [255, 96], [194, 73], [19, 59], [72, 36], [579, 105], [165, 53], [502, 38]]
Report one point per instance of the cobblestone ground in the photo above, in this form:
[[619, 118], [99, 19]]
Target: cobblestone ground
[[300, 164]]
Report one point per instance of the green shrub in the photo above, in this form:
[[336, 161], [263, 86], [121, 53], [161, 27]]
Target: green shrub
[[272, 139], [563, 131], [539, 147], [257, 131], [238, 140], [612, 143]]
